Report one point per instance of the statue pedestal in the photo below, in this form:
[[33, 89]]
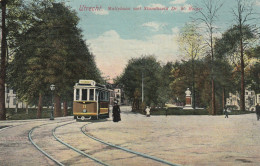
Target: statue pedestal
[[188, 100]]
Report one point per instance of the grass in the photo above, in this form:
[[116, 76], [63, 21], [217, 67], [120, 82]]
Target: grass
[[180, 111], [238, 112], [32, 113]]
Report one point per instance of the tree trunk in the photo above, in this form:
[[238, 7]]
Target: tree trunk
[[65, 108], [223, 99], [3, 64], [213, 103], [39, 110], [57, 106], [242, 94], [27, 111], [213, 97], [193, 86]]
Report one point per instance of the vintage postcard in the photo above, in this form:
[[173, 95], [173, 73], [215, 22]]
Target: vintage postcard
[[130, 82]]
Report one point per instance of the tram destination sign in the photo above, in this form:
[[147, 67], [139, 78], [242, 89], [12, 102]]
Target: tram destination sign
[[91, 82]]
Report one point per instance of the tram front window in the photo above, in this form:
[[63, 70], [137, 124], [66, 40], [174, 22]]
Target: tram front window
[[77, 94], [84, 94], [91, 94]]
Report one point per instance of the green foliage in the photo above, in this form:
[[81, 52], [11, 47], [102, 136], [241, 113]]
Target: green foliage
[[51, 51], [182, 74], [131, 79], [253, 74], [32, 113], [178, 111]]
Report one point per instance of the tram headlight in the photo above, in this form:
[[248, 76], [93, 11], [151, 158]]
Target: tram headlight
[[84, 110]]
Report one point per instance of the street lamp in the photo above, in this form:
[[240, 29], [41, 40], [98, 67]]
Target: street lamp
[[8, 100], [52, 87]]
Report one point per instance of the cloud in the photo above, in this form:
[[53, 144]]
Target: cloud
[[176, 2], [112, 52], [257, 3], [156, 5], [101, 12], [155, 26]]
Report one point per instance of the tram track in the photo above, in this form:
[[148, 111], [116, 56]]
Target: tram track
[[85, 154], [75, 149], [128, 150], [40, 149], [55, 160]]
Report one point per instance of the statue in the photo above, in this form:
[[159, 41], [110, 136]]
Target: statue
[[188, 92], [188, 99]]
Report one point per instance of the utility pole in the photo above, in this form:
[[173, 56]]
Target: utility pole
[[142, 87]]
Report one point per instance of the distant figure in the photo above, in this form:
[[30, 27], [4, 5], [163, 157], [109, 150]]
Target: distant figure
[[147, 110], [257, 110], [116, 112], [225, 112]]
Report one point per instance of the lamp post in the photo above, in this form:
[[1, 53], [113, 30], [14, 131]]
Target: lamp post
[[52, 87], [7, 100]]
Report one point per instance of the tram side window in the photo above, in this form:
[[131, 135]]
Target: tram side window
[[77, 94], [84, 94], [101, 95], [91, 94], [107, 96]]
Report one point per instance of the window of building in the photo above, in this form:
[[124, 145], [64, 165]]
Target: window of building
[[14, 101]]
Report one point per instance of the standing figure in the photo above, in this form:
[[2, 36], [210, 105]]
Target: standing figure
[[116, 112], [225, 112], [147, 110], [257, 110]]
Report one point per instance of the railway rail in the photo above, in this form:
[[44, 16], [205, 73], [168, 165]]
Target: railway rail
[[128, 150], [40, 149], [96, 160]]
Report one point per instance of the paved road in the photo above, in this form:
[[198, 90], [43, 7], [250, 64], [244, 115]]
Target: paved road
[[184, 140]]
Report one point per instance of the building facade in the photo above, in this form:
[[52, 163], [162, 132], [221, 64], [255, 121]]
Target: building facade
[[11, 100], [251, 99]]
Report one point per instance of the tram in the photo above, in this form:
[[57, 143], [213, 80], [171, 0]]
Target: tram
[[91, 100]]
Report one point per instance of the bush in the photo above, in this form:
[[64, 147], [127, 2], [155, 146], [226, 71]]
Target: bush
[[178, 111], [32, 113]]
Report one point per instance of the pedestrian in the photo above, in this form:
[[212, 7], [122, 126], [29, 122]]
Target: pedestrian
[[225, 112], [257, 110], [147, 110], [116, 112]]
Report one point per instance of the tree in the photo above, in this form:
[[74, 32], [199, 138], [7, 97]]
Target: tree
[[3, 63], [191, 44], [253, 74], [243, 14], [182, 76], [131, 79], [208, 16], [16, 18], [51, 51], [228, 49]]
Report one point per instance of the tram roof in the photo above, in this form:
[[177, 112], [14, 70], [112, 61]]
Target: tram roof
[[90, 84]]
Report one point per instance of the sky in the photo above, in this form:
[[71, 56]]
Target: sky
[[115, 36]]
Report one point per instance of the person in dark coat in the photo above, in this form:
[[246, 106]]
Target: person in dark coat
[[225, 112], [116, 112], [257, 110]]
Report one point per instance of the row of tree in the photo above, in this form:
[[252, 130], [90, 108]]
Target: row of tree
[[212, 66], [48, 48]]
